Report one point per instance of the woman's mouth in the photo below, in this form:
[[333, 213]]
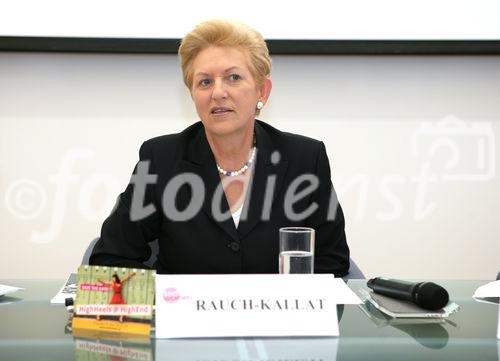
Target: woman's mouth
[[221, 110]]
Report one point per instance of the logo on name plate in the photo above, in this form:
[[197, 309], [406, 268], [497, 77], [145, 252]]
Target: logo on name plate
[[171, 295]]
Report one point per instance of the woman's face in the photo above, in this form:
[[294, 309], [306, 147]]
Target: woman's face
[[224, 91]]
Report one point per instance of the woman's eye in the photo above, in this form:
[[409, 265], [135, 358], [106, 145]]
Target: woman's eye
[[204, 82], [234, 77]]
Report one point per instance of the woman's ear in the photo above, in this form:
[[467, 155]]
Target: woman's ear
[[265, 90]]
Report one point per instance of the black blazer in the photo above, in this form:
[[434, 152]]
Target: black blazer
[[202, 244]]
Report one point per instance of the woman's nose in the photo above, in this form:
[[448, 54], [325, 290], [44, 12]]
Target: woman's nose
[[219, 89]]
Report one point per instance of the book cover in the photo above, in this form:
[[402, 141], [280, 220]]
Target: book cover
[[114, 299]]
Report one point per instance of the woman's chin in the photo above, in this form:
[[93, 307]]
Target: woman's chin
[[225, 126]]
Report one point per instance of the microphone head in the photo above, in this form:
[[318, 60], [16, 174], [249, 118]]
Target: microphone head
[[431, 296]]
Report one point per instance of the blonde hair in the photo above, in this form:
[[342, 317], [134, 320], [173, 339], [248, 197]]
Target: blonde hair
[[230, 34]]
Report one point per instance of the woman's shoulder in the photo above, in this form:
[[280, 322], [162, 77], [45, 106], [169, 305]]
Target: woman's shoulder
[[167, 142], [290, 142]]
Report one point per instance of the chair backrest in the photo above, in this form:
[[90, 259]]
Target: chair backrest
[[354, 271], [88, 251]]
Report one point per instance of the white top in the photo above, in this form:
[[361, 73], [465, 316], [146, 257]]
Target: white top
[[236, 216]]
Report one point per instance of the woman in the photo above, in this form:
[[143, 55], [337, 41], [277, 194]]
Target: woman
[[216, 194], [116, 284]]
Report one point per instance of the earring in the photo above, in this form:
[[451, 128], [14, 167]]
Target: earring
[[260, 105]]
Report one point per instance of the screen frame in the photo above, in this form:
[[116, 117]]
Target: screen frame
[[279, 47]]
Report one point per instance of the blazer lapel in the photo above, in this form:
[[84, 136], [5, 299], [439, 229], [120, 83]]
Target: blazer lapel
[[269, 170], [200, 160]]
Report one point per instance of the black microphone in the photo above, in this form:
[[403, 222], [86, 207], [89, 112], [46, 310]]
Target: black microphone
[[427, 295]]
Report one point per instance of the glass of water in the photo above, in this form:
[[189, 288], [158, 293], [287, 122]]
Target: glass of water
[[296, 250]]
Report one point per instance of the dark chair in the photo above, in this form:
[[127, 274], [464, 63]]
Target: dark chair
[[354, 272]]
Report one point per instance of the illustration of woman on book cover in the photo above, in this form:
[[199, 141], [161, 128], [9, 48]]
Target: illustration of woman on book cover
[[116, 284]]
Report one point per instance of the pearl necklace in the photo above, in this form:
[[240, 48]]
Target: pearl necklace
[[242, 170]]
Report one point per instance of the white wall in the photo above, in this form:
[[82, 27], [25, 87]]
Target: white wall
[[411, 214]]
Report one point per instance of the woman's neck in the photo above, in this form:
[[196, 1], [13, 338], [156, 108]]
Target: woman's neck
[[231, 151]]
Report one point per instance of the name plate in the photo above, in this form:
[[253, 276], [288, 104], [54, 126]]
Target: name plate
[[498, 330], [246, 305]]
